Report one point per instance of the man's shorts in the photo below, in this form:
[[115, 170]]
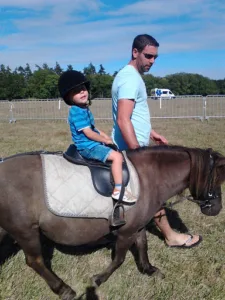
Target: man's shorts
[[99, 152]]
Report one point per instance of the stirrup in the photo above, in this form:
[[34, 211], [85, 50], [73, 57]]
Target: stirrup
[[117, 217]]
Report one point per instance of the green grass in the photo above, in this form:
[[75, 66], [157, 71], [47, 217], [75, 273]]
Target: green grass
[[194, 274]]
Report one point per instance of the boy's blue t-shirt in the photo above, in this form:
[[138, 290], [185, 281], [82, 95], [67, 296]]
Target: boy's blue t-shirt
[[80, 118], [128, 84]]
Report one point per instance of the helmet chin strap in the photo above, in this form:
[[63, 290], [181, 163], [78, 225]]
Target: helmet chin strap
[[82, 104]]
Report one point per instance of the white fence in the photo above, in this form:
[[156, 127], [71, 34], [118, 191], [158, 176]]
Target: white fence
[[55, 109]]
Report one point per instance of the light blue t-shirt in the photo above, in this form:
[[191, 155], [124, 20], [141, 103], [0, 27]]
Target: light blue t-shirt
[[128, 84]]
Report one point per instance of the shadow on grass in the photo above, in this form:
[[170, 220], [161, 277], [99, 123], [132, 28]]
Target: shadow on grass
[[8, 248], [49, 246]]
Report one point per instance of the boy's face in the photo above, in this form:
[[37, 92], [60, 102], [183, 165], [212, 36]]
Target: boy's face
[[79, 95]]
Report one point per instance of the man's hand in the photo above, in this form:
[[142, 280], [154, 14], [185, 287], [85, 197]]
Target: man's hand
[[158, 139]]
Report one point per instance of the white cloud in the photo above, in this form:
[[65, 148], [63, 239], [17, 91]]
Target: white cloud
[[80, 31], [93, 4], [157, 9]]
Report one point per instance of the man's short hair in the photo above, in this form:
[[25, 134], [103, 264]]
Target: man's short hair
[[143, 40]]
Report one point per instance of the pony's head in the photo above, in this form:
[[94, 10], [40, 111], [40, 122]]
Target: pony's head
[[206, 178]]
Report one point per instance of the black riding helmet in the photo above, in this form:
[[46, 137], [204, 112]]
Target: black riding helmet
[[68, 81]]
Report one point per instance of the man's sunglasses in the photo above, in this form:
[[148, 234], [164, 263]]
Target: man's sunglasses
[[150, 56]]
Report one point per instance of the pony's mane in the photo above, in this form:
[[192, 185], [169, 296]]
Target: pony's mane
[[203, 162], [172, 148]]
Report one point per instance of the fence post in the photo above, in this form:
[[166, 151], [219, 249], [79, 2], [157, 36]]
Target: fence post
[[11, 118], [204, 108], [160, 102]]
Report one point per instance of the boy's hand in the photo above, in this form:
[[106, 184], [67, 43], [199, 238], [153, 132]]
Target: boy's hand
[[108, 140]]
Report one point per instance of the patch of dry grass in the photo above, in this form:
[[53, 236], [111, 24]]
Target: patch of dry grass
[[194, 274]]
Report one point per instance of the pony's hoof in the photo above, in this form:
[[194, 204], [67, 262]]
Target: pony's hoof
[[158, 274], [153, 271], [96, 281], [68, 294]]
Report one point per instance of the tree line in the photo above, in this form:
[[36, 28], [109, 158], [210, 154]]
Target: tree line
[[41, 83]]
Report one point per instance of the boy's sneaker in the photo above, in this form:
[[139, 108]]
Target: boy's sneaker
[[128, 198]]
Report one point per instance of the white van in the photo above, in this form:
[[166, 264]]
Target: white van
[[162, 93]]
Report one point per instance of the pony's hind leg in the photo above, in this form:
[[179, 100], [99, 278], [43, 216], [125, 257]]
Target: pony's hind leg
[[31, 245], [140, 252], [122, 246]]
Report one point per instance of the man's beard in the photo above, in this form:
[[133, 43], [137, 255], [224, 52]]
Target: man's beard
[[145, 69]]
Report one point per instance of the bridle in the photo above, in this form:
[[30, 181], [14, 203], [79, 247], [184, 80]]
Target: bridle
[[211, 193], [205, 200]]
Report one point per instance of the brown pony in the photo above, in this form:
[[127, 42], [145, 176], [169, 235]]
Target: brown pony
[[163, 171]]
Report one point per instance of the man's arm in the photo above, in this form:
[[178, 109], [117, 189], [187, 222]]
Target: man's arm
[[124, 112]]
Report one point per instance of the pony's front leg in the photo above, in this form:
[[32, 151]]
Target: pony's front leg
[[140, 252], [122, 246]]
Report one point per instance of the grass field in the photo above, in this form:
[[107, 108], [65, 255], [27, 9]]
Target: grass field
[[190, 274]]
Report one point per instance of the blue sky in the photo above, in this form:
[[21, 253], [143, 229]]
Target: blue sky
[[191, 33]]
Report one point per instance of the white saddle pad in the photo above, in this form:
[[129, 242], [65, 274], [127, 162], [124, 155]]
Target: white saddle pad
[[69, 191]]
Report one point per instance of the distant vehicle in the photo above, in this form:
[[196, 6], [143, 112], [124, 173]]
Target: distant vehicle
[[162, 93]]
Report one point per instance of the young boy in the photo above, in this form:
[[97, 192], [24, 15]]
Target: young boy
[[91, 142]]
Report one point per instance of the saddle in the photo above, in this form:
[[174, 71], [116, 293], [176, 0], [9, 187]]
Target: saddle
[[100, 172]]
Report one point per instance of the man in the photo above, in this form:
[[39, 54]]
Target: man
[[132, 125]]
